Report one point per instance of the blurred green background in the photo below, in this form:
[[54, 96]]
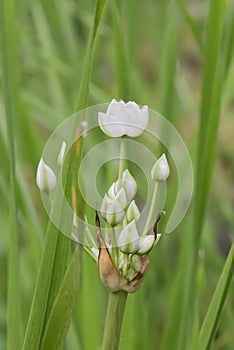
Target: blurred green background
[[175, 57]]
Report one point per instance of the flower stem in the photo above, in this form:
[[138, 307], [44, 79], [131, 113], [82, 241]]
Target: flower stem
[[114, 317], [147, 225], [121, 158]]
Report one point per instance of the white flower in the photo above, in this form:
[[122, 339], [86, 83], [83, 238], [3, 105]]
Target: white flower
[[133, 212], [61, 154], [128, 239], [123, 119], [46, 179], [160, 170]]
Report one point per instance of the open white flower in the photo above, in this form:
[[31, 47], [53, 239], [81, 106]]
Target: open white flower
[[123, 119], [160, 170], [46, 179]]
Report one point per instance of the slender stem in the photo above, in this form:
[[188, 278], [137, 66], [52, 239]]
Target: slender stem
[[151, 212], [121, 158], [114, 318]]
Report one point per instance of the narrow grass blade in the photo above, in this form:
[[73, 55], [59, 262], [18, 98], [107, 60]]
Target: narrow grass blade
[[168, 62], [210, 323], [121, 64], [191, 23], [13, 292], [83, 93], [60, 316], [229, 36], [210, 110]]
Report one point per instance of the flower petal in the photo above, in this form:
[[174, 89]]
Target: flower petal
[[111, 126]]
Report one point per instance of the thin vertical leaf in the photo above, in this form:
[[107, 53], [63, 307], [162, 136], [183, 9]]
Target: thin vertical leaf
[[61, 313], [13, 291], [210, 110], [212, 317]]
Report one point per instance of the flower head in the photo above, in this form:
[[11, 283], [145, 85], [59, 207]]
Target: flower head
[[46, 179], [123, 119], [160, 170]]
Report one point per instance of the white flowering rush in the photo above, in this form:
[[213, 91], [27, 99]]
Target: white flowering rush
[[123, 255], [123, 119]]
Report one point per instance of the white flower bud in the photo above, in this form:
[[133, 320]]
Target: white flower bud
[[160, 170], [111, 192], [146, 243], [61, 154], [128, 239], [84, 125], [133, 212], [128, 183], [123, 119], [46, 179], [114, 213], [121, 198]]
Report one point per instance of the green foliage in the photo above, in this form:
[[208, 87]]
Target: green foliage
[[58, 56]]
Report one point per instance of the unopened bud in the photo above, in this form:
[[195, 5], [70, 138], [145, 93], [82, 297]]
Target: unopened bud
[[46, 179], [133, 212], [160, 170], [128, 239]]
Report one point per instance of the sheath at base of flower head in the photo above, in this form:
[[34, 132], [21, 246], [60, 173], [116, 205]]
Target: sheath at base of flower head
[[126, 269], [160, 170], [46, 179], [123, 119]]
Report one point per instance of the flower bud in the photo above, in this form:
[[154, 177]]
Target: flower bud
[[128, 183], [133, 212], [105, 202], [128, 239], [46, 179], [114, 213], [61, 154], [160, 170], [145, 243]]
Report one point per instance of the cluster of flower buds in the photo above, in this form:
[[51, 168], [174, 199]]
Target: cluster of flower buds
[[118, 197]]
